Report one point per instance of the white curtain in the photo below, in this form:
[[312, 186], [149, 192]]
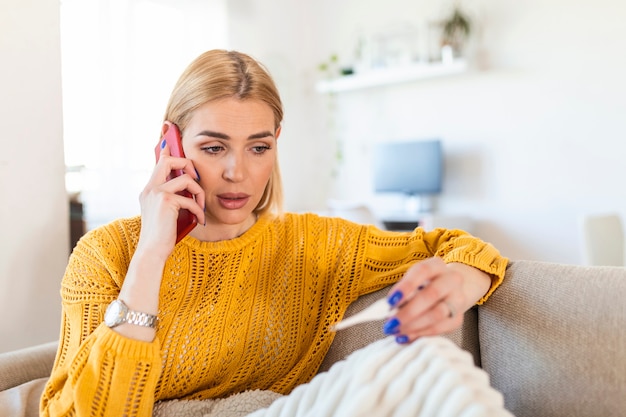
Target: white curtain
[[120, 61]]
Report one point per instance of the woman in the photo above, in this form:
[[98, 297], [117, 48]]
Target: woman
[[245, 301]]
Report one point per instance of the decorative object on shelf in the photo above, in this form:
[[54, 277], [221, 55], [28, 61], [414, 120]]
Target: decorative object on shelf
[[395, 47], [456, 29], [399, 54], [330, 68]]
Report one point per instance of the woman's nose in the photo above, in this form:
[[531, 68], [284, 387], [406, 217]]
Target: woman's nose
[[234, 169]]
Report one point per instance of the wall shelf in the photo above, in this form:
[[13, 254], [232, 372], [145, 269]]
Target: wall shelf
[[388, 76]]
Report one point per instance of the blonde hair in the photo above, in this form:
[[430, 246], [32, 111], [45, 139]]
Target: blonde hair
[[219, 74]]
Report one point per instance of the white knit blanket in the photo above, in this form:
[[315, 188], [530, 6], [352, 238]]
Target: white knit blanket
[[428, 378]]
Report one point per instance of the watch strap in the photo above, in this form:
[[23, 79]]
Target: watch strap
[[141, 319]]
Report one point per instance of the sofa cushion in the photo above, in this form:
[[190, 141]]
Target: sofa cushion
[[553, 339], [22, 400], [23, 365], [358, 336]]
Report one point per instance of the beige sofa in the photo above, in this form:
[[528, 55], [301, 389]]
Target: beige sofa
[[552, 339]]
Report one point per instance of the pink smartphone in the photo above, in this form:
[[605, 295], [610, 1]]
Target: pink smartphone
[[186, 220]]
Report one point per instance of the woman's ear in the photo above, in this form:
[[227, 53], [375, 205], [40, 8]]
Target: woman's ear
[[277, 134]]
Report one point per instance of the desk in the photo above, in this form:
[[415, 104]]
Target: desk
[[428, 221], [394, 219], [400, 225]]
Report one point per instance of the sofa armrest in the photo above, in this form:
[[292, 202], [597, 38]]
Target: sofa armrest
[[552, 339], [27, 364]]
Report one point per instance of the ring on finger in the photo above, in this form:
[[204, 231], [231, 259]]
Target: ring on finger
[[451, 309]]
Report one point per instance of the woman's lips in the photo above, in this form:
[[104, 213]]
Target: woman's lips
[[233, 201]]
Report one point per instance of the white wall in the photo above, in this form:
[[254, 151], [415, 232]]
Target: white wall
[[283, 35], [535, 137], [34, 211]]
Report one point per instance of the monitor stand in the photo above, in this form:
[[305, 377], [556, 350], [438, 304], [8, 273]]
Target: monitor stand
[[415, 204]]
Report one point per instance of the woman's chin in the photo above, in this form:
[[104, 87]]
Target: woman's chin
[[230, 217]]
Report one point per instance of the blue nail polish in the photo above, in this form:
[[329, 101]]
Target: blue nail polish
[[402, 339], [391, 326], [163, 143], [197, 175], [395, 298]]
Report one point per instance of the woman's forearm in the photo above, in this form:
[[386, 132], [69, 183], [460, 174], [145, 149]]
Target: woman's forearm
[[140, 292]]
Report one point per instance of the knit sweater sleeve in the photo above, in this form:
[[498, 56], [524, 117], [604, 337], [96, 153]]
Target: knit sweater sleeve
[[96, 370], [389, 254]]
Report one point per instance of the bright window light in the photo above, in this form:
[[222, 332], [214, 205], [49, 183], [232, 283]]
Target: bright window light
[[120, 60]]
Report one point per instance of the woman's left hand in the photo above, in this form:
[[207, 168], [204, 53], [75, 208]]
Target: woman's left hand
[[432, 298]]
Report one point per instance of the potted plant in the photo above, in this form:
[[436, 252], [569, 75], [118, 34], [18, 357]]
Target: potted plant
[[455, 31]]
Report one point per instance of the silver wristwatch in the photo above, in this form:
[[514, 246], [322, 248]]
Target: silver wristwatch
[[118, 313]]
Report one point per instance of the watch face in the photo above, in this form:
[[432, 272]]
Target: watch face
[[115, 313]]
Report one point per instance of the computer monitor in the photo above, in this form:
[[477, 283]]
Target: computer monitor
[[413, 168]]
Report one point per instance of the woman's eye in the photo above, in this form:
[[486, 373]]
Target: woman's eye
[[212, 149], [260, 149]]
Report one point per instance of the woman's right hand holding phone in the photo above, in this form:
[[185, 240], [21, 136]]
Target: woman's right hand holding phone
[[160, 206], [161, 202]]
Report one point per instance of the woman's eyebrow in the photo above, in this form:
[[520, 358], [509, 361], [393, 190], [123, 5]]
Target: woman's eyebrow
[[213, 134], [219, 135], [261, 135]]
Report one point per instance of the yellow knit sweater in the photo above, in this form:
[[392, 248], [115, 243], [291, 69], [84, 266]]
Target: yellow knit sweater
[[247, 313]]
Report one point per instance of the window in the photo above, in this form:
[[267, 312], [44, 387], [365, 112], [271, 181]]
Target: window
[[120, 60]]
